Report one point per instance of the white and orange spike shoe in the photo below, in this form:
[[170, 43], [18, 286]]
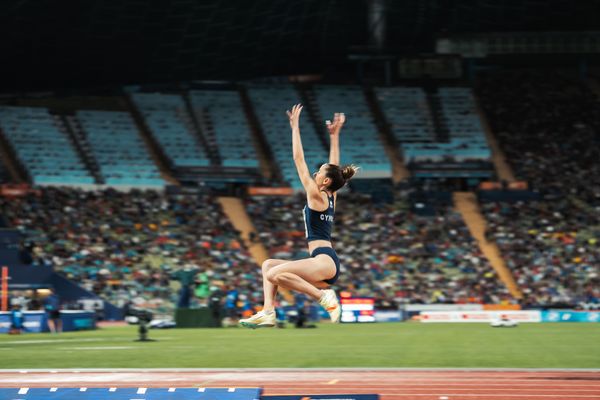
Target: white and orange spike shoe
[[331, 304], [259, 320]]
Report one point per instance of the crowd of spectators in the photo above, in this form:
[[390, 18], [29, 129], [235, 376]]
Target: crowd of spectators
[[131, 246], [387, 251], [279, 224], [549, 128], [552, 249]]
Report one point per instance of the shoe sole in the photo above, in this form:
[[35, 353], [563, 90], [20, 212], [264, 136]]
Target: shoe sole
[[337, 320], [255, 326]]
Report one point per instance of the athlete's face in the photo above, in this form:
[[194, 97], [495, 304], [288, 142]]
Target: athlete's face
[[321, 176]]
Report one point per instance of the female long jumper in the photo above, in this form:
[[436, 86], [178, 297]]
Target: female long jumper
[[311, 276]]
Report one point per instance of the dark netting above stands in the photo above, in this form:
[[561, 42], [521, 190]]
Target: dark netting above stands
[[411, 24], [56, 44], [98, 42]]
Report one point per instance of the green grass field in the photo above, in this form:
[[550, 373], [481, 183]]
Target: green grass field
[[560, 345]]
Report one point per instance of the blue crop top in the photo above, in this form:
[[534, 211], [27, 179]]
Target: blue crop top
[[318, 224]]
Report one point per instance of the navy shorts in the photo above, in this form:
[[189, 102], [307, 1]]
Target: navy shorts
[[331, 253], [54, 314]]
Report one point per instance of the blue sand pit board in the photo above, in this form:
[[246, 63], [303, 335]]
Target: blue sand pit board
[[325, 396], [130, 394]]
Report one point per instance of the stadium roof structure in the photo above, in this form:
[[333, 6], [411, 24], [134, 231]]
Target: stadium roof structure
[[49, 43]]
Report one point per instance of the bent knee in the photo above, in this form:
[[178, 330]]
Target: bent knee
[[270, 276], [268, 264], [278, 278]]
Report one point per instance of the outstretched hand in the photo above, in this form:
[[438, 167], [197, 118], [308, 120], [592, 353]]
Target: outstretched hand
[[294, 115], [335, 127]]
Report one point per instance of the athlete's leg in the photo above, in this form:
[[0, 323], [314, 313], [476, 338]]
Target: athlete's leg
[[303, 275], [269, 289], [266, 317]]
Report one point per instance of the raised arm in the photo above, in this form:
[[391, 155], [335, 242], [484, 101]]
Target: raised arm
[[334, 129], [309, 184]]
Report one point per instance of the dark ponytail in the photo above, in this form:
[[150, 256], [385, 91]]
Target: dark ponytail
[[348, 171], [340, 175]]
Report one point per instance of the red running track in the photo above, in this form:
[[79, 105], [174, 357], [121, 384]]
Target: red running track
[[390, 384]]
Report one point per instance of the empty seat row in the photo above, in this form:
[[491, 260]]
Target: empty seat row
[[116, 144], [270, 103], [43, 147], [231, 129], [170, 124], [360, 142]]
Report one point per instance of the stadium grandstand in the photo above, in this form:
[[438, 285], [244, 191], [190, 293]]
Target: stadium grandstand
[[430, 252]]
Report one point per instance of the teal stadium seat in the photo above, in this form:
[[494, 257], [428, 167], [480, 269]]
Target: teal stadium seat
[[360, 143], [270, 103], [170, 124], [409, 115], [118, 148], [232, 132], [42, 147]]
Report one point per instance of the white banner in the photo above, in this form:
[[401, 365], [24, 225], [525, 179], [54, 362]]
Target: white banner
[[442, 307], [480, 316]]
